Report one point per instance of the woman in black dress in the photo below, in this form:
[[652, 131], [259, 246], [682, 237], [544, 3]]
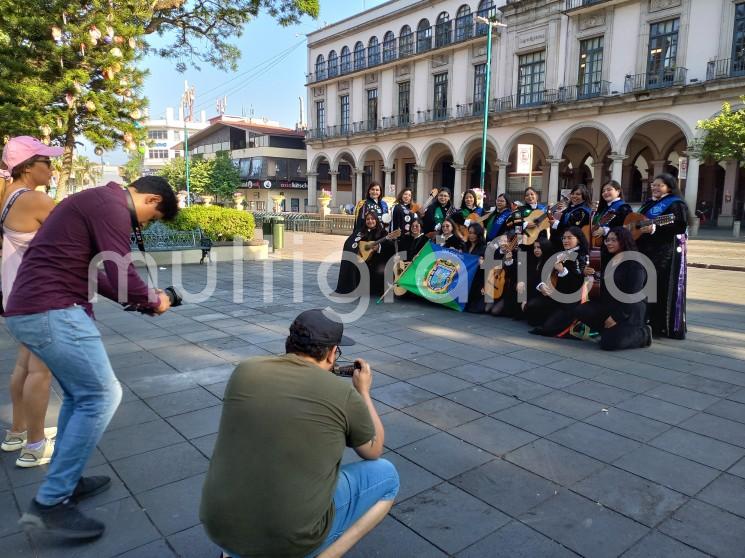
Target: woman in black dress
[[553, 317], [437, 212], [468, 206], [666, 246], [373, 202], [496, 225], [413, 242], [448, 237], [349, 269], [500, 250], [404, 211], [620, 322], [612, 212], [528, 280], [576, 214]]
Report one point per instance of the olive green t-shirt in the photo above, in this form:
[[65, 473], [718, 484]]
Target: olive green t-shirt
[[284, 425]]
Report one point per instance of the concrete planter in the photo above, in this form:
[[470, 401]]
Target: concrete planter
[[257, 250]]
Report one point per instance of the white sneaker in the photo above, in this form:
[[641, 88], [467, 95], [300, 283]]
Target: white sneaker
[[16, 440], [34, 458]]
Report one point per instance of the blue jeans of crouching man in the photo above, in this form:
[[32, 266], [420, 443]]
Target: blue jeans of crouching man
[[69, 343]]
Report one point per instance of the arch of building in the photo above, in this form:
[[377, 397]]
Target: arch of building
[[542, 167], [470, 156], [584, 149], [371, 161]]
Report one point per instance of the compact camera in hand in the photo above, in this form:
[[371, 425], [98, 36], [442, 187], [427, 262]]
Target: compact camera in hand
[[173, 297], [346, 371]]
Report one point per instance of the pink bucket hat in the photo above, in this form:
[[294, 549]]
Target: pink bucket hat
[[22, 148]]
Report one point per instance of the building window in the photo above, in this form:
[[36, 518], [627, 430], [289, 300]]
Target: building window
[[590, 67], [442, 30], [404, 93], [157, 134], [372, 109], [463, 23], [295, 205], [488, 10], [423, 36], [346, 60], [479, 88], [373, 52], [177, 154], [531, 78], [663, 52], [344, 112], [406, 42], [320, 67], [738, 41], [320, 115], [359, 56], [440, 105], [157, 154], [389, 47], [333, 64]]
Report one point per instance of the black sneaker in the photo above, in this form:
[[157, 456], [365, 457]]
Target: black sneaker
[[90, 486], [63, 519], [648, 339]]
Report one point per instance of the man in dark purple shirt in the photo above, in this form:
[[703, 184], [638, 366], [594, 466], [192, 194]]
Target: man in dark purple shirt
[[49, 311]]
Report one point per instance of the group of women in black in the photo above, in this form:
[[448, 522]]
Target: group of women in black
[[552, 293]]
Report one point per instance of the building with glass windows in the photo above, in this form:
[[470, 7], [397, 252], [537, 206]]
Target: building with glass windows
[[600, 88], [271, 160], [164, 137]]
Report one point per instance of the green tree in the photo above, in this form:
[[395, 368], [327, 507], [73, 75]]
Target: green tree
[[224, 176], [725, 135], [199, 175], [86, 172], [132, 169]]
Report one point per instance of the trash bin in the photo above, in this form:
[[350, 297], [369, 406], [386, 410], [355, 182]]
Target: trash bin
[[266, 227], [278, 233]]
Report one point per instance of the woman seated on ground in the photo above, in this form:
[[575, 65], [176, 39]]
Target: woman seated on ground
[[496, 225], [448, 237], [349, 272], [475, 245], [404, 211], [500, 296], [437, 211], [576, 214], [373, 202], [526, 290], [468, 206], [552, 317], [620, 323]]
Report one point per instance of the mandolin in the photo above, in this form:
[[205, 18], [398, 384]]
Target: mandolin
[[496, 280], [634, 222], [367, 247]]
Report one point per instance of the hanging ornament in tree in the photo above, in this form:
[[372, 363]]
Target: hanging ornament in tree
[[118, 40], [127, 93], [127, 137], [136, 114], [124, 82], [116, 67], [70, 99], [59, 122], [116, 52], [82, 49], [90, 105], [78, 88], [132, 42], [56, 33], [95, 34], [131, 145]]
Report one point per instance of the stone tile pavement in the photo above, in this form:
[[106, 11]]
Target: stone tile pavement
[[507, 445]]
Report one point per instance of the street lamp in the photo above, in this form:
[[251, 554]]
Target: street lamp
[[490, 23], [187, 101]]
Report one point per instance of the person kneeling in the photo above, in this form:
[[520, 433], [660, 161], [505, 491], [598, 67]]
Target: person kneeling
[[620, 323], [275, 486]]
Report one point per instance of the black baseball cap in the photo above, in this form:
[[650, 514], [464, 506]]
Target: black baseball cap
[[325, 327]]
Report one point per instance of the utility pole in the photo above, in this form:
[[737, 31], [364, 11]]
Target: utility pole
[[187, 100]]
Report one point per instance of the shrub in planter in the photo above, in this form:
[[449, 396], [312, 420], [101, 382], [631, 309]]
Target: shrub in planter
[[218, 223]]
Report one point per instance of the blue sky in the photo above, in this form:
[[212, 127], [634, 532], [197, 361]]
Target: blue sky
[[271, 89]]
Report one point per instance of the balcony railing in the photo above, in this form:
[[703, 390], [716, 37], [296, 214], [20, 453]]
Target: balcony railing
[[667, 77], [725, 68], [436, 36], [584, 91], [577, 4]]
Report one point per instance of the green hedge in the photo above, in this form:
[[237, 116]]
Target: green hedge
[[218, 223]]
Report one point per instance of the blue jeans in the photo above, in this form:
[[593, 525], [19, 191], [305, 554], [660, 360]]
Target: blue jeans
[[69, 343], [359, 487]]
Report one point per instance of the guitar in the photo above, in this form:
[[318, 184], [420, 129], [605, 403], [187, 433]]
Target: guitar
[[597, 241], [432, 196], [398, 270], [496, 280], [367, 247], [540, 220], [634, 222]]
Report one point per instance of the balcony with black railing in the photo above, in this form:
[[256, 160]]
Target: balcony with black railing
[[428, 39], [660, 79], [725, 68], [572, 5]]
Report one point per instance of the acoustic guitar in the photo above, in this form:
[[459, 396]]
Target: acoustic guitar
[[496, 280], [597, 241], [541, 220], [634, 222], [367, 247], [398, 270]]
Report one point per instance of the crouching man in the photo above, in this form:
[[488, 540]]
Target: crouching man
[[275, 486]]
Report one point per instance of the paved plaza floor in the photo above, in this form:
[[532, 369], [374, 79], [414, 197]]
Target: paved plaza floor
[[507, 444]]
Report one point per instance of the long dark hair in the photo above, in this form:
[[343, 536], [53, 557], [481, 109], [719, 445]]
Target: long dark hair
[[375, 183], [507, 198], [672, 183], [602, 204], [378, 225], [586, 194], [625, 238], [475, 199], [479, 231], [400, 195], [577, 233], [528, 189]]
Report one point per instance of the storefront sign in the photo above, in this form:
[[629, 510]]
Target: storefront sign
[[524, 158], [276, 185], [683, 168]]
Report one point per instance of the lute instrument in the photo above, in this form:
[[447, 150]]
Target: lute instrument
[[634, 222], [496, 279], [367, 247]]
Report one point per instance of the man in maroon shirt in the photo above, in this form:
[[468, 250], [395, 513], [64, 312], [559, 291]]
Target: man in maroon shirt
[[49, 311]]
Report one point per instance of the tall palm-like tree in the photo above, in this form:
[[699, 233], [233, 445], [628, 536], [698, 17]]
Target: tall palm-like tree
[[86, 172]]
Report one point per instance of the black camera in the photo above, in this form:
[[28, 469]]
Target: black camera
[[173, 297], [346, 371]]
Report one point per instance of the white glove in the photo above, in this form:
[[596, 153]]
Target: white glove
[[438, 226], [467, 222], [386, 218]]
